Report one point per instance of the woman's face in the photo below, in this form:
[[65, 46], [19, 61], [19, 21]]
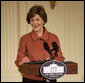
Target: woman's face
[[37, 23]]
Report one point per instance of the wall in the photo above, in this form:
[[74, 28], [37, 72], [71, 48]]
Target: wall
[[66, 20], [9, 41]]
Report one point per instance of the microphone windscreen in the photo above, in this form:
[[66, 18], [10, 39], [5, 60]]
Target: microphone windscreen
[[46, 47], [55, 46]]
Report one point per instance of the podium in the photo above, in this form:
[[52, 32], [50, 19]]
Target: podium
[[34, 69], [72, 67]]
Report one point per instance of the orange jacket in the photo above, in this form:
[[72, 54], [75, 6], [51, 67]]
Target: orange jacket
[[32, 47]]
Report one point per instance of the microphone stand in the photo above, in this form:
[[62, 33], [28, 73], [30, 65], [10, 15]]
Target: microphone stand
[[51, 56]]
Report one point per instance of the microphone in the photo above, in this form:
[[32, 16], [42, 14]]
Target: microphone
[[46, 47], [55, 46]]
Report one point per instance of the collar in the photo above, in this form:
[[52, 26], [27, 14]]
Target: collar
[[44, 36]]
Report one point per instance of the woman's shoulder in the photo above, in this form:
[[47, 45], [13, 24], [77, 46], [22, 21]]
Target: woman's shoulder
[[52, 35], [26, 36]]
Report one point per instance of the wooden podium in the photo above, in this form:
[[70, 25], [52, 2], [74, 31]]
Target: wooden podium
[[72, 67], [34, 69]]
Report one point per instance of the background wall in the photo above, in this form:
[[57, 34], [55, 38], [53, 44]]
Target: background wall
[[66, 20]]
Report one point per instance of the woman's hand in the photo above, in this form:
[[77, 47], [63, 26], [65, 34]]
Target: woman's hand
[[48, 58], [24, 60]]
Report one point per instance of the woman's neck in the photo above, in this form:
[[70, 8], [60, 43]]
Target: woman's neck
[[40, 33]]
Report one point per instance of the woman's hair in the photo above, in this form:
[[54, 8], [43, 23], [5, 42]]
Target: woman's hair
[[37, 9]]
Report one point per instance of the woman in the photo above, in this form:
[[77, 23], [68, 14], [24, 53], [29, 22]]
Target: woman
[[31, 44]]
